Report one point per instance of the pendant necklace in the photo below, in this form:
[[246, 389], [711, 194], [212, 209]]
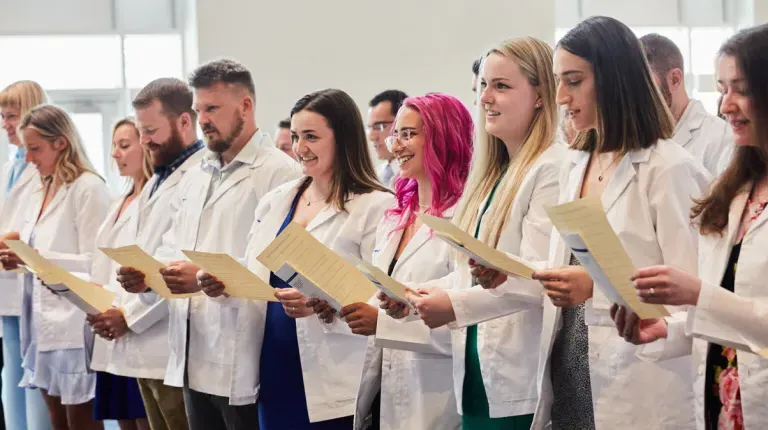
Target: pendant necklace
[[602, 171]]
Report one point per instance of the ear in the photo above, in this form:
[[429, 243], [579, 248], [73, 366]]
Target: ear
[[60, 143], [675, 78], [539, 103], [248, 104], [185, 120]]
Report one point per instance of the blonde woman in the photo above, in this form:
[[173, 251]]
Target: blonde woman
[[61, 225], [514, 175], [118, 396], [18, 181]]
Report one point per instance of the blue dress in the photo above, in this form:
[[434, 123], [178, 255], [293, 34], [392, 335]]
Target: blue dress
[[117, 398], [282, 402]]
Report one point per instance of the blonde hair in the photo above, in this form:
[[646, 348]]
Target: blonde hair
[[23, 95], [51, 123], [491, 162], [146, 167]]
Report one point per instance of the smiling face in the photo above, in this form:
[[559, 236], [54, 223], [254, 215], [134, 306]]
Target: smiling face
[[576, 90], [313, 143], [159, 134], [507, 97], [408, 144], [736, 104], [127, 151], [41, 152]]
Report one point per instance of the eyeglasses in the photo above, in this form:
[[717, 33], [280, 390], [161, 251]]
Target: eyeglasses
[[402, 136], [379, 126]]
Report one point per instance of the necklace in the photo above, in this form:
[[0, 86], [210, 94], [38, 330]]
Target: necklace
[[309, 202], [602, 171]]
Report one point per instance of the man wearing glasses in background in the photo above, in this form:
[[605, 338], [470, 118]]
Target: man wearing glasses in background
[[381, 117]]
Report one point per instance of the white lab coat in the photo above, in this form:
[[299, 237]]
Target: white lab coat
[[220, 225], [647, 202], [738, 319], [13, 207], [65, 234], [143, 352], [708, 138], [331, 357], [416, 386], [114, 232], [508, 318]]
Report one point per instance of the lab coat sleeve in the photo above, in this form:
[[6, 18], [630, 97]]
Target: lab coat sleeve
[[728, 319], [139, 315], [90, 200], [476, 305]]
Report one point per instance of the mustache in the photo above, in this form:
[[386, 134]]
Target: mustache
[[208, 127]]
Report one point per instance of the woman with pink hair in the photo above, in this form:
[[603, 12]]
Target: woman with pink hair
[[406, 379]]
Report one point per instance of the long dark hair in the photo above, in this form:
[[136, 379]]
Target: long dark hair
[[353, 171], [630, 109], [749, 163]]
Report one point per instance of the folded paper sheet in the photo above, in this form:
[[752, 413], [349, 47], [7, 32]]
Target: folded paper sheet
[[477, 250], [320, 266], [392, 288], [90, 298], [135, 257], [587, 232], [237, 279]]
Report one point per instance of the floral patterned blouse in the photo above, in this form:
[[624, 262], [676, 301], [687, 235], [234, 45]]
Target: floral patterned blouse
[[722, 396]]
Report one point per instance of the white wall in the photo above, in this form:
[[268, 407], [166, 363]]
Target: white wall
[[297, 46]]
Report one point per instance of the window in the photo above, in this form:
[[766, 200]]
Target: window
[[91, 129], [63, 62], [705, 42], [148, 57]]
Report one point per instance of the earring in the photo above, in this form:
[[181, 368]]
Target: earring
[[537, 105]]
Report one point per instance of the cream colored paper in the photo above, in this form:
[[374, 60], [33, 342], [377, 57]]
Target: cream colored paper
[[237, 279], [476, 249], [135, 257], [392, 288], [605, 257], [92, 298], [321, 266], [763, 353]]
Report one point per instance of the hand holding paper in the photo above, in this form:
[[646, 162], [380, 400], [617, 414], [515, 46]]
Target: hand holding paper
[[90, 298], [475, 249], [586, 231], [317, 272], [135, 257], [237, 279]]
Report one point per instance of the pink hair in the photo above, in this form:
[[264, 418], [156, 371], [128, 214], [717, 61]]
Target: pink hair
[[448, 136]]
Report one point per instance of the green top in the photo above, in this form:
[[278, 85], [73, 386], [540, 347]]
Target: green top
[[474, 399]]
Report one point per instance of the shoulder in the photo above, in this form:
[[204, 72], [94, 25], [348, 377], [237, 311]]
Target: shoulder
[[670, 163], [89, 180], [377, 200]]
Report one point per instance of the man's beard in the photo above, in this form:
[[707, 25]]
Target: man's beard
[[169, 150], [222, 145]]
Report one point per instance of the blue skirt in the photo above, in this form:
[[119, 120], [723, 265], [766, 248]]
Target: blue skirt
[[117, 398]]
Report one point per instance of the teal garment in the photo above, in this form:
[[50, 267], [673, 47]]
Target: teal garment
[[474, 400]]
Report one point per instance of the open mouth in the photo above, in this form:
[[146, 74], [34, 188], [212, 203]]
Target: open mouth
[[571, 113], [404, 158], [307, 158]]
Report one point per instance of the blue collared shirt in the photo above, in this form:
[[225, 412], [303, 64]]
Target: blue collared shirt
[[18, 166], [163, 172]]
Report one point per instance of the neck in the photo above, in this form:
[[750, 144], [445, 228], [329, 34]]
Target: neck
[[679, 104], [513, 145], [319, 188], [138, 184], [238, 144], [425, 193]]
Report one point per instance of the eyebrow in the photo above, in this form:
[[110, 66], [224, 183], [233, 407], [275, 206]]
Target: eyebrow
[[732, 81], [571, 72]]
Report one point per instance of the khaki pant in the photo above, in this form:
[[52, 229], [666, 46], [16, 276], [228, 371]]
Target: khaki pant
[[164, 405]]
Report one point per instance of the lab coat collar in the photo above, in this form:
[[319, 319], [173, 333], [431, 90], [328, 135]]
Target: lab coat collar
[[692, 119], [622, 176]]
